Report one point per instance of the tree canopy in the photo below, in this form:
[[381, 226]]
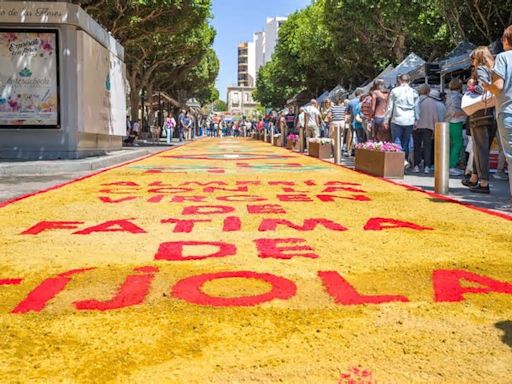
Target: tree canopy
[[348, 42], [168, 45]]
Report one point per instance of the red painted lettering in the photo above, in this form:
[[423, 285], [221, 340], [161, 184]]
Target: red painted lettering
[[194, 199], [343, 189], [331, 198], [265, 209], [132, 292], [448, 288], [232, 224], [123, 225], [39, 297], [122, 183], [50, 226], [10, 281], [183, 226], [309, 225], [301, 198], [379, 224], [174, 250], [109, 200], [270, 248], [241, 188], [343, 293], [189, 289], [169, 190], [241, 198], [156, 199], [207, 210]]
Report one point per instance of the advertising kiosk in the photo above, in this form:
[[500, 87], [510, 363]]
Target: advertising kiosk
[[62, 83]]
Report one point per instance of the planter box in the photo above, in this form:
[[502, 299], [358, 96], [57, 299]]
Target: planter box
[[383, 164], [292, 145], [278, 141], [269, 139], [321, 151]]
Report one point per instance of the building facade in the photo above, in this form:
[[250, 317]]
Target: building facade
[[240, 101], [270, 38], [246, 65]]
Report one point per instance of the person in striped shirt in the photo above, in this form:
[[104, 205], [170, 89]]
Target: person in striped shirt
[[337, 117]]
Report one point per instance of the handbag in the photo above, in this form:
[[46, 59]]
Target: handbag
[[473, 102]]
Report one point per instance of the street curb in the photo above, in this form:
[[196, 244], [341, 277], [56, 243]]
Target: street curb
[[52, 167]]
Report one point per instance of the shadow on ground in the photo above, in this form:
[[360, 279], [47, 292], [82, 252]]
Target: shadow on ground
[[506, 327]]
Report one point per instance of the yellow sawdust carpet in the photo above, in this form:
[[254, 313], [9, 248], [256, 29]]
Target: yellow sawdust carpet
[[232, 261]]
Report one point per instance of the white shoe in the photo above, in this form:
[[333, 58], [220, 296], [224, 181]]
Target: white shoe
[[456, 172], [406, 164], [416, 169], [426, 170]]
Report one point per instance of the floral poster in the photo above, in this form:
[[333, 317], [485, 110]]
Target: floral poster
[[28, 79]]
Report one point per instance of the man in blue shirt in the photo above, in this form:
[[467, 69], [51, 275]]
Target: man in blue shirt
[[353, 110], [502, 88]]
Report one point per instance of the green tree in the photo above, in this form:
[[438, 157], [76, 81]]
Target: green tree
[[479, 21], [162, 38], [220, 106]]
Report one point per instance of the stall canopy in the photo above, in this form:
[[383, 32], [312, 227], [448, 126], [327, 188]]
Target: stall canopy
[[458, 59], [410, 63], [324, 96], [338, 91], [300, 98]]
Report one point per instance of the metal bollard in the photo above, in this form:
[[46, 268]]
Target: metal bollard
[[442, 158], [272, 135], [301, 140], [337, 144], [265, 134]]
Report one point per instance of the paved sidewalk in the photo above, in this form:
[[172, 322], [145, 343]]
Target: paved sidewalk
[[18, 178], [499, 188]]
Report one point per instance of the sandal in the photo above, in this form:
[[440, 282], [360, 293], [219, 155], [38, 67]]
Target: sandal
[[468, 183], [480, 189]]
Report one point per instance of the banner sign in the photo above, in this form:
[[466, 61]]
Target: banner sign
[[29, 81]]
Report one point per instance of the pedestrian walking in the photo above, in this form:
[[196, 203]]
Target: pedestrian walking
[[181, 125], [337, 116], [427, 115], [313, 121], [400, 113], [380, 95], [169, 126], [136, 131], [351, 115]]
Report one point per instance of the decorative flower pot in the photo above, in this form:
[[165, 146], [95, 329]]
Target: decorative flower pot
[[290, 144], [383, 164], [269, 138], [320, 150], [278, 141]]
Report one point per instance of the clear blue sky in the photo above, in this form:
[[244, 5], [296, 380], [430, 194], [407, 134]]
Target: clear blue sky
[[235, 22]]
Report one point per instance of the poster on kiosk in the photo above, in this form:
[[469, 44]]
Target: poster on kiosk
[[29, 82]]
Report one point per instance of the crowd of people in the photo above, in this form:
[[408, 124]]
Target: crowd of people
[[404, 115]]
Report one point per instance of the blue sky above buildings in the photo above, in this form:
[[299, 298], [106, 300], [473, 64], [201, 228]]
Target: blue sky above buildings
[[235, 22]]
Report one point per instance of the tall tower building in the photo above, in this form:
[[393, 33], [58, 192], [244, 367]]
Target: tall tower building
[[246, 64]]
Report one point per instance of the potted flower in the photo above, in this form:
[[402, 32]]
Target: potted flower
[[320, 148], [292, 141], [380, 159]]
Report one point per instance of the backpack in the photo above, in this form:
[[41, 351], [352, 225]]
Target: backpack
[[366, 107]]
